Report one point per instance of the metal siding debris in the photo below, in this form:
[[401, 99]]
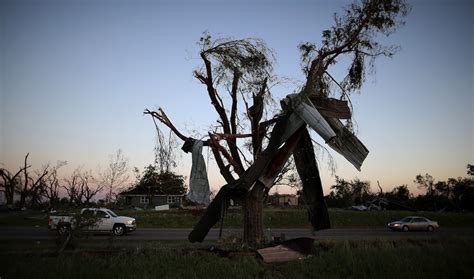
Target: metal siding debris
[[347, 144], [303, 107], [162, 207], [264, 167], [198, 183], [280, 159]]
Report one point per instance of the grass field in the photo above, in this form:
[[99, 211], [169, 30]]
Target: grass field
[[446, 258], [274, 218], [451, 257]]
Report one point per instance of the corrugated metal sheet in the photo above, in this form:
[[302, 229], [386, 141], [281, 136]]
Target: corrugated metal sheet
[[303, 107], [347, 144]]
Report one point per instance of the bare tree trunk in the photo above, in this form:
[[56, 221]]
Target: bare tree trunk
[[253, 216], [25, 187], [10, 193], [22, 199]]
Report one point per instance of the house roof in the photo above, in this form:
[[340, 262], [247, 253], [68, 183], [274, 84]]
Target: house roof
[[143, 192], [134, 191]]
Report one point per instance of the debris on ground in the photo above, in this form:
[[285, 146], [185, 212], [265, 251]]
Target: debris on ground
[[293, 249]]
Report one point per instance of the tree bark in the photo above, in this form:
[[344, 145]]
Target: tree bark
[[25, 187], [253, 216]]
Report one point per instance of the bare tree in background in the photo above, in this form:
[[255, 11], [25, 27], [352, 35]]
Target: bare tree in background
[[73, 185], [43, 183], [31, 186], [88, 188], [165, 156], [51, 183], [9, 183], [425, 182], [81, 187], [115, 175]]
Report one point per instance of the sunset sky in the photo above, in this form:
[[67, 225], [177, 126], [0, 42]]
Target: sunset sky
[[75, 77]]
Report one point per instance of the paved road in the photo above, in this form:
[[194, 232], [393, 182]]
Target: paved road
[[41, 233]]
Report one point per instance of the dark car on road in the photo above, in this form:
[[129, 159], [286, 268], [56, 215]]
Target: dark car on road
[[413, 223]]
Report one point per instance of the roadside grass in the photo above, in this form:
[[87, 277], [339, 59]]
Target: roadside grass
[[443, 258], [348, 218], [28, 218], [387, 259], [273, 218]]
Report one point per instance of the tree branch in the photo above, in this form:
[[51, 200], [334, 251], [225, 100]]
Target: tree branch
[[224, 170], [220, 136], [25, 187], [218, 105], [214, 96], [255, 113], [163, 118], [233, 94], [228, 157], [326, 57], [232, 142]]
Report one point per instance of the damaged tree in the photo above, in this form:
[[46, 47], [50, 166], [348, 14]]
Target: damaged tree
[[24, 184], [244, 69]]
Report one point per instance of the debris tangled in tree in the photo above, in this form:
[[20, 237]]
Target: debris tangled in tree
[[244, 69]]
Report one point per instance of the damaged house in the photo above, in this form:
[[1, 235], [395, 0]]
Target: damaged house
[[156, 188], [282, 200], [140, 197]]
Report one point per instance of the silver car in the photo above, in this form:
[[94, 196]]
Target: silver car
[[414, 223]]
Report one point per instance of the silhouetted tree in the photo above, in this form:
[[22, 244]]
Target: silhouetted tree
[[425, 182], [244, 67], [160, 183], [24, 183], [345, 193], [32, 186], [360, 191], [89, 187], [80, 187], [443, 188], [10, 182], [401, 193], [462, 193], [73, 187], [340, 195], [115, 175], [51, 183], [165, 157]]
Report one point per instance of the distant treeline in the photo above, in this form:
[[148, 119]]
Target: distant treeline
[[455, 194]]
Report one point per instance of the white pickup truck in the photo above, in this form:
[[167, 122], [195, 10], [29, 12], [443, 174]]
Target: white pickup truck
[[93, 219]]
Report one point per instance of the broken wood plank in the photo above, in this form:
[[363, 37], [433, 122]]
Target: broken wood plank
[[293, 249], [307, 168], [279, 253], [280, 159], [330, 107], [239, 187]]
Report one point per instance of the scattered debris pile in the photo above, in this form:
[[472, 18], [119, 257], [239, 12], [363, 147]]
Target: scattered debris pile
[[293, 249]]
